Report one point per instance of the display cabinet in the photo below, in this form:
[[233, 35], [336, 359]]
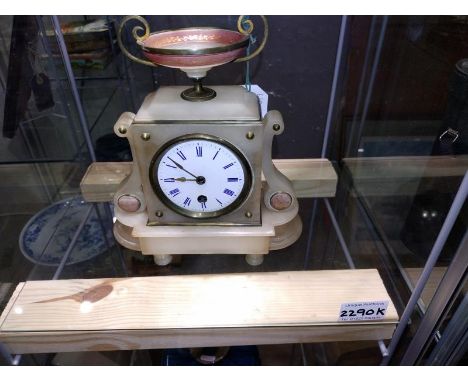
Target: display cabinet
[[372, 155]]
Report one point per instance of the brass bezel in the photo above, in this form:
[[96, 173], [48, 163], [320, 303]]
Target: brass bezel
[[243, 196]]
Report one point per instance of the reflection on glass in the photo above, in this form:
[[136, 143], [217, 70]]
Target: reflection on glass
[[409, 128]]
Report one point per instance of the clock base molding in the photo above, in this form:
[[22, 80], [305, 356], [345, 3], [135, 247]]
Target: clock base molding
[[277, 231]]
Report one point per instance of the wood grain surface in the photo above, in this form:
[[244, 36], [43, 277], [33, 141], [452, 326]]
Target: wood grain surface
[[198, 310]]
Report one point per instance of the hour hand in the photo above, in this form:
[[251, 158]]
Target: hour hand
[[183, 179]]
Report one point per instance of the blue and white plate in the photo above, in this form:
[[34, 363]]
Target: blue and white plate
[[46, 236]]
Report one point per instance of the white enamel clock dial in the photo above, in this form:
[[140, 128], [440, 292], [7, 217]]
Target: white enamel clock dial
[[201, 177]]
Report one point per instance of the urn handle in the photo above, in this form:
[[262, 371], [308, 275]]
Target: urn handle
[[246, 26], [136, 32]]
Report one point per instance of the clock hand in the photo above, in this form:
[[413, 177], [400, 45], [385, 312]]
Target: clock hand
[[199, 179], [183, 179], [183, 169]]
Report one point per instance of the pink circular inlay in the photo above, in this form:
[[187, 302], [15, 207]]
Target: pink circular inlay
[[281, 201], [129, 203]]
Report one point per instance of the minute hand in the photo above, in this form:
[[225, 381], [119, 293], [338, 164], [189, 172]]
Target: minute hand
[[183, 169]]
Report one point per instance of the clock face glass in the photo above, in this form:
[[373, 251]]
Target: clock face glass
[[201, 177]]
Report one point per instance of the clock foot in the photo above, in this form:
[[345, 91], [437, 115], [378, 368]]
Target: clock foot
[[254, 260], [162, 260]]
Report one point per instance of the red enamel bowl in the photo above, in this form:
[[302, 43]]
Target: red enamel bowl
[[194, 47]]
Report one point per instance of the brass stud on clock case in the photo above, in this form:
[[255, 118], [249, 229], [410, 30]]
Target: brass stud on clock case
[[159, 214], [250, 135], [146, 136]]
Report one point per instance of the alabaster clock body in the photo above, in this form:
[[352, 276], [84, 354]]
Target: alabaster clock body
[[203, 181]]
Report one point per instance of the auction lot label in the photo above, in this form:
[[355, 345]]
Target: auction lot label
[[363, 311]]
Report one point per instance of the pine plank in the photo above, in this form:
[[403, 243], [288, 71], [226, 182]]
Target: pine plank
[[71, 341], [196, 301], [102, 179], [407, 166], [432, 282], [310, 178], [380, 176], [10, 303], [196, 310]]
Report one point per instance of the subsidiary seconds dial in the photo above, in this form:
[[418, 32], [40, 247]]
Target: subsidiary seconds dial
[[200, 176]]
